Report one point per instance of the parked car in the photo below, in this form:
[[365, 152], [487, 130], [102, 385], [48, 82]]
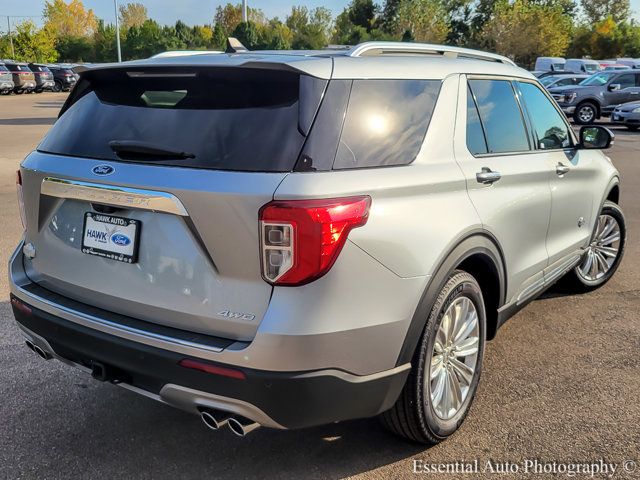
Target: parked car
[[550, 64], [627, 114], [612, 65], [6, 80], [23, 78], [292, 239], [633, 63], [43, 77], [64, 78], [562, 80], [597, 95], [581, 65]]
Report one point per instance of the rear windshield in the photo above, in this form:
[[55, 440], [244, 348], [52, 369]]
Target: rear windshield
[[39, 68], [224, 118], [18, 68]]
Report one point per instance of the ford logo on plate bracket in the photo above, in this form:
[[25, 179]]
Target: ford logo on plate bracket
[[103, 170], [120, 239]]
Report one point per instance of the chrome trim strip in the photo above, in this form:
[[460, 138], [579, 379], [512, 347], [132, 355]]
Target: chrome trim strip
[[113, 195], [548, 278]]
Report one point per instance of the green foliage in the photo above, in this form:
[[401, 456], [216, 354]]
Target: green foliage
[[520, 29], [32, 44]]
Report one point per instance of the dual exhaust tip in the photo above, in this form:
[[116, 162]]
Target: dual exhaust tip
[[38, 350], [240, 426], [213, 419]]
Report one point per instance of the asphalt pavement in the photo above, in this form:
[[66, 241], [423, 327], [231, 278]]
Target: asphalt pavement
[[561, 383]]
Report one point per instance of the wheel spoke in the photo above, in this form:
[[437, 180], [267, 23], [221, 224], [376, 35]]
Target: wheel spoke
[[439, 387], [466, 327], [455, 391], [468, 346], [610, 252], [594, 265], [586, 265], [603, 265], [609, 225], [464, 371], [610, 239], [444, 332], [436, 366]]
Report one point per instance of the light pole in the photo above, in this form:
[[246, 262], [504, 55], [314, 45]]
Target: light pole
[[115, 5], [244, 11]]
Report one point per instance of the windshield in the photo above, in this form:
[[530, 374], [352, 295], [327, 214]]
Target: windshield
[[558, 66], [546, 81], [597, 79]]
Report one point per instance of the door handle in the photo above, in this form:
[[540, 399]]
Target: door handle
[[487, 176], [561, 169]]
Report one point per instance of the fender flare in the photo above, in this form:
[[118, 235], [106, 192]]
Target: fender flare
[[479, 241]]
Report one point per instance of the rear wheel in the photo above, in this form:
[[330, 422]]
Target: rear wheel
[[18, 92], [585, 113], [57, 86], [604, 253], [446, 366]]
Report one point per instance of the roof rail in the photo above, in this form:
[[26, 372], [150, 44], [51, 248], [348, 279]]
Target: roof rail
[[383, 48]]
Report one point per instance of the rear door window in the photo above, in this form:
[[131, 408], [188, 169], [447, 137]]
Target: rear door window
[[219, 118], [386, 122], [501, 116]]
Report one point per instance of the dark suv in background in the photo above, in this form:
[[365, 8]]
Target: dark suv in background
[[63, 77], [43, 77], [23, 78], [598, 95], [6, 80]]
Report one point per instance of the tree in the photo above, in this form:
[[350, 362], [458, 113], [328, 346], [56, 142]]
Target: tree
[[247, 33], [104, 43], [33, 45], [310, 30], [357, 23], [230, 16], [598, 10], [69, 20], [145, 40], [132, 14], [75, 49], [425, 20], [524, 30]]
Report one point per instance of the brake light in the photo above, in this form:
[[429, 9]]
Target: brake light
[[301, 239], [23, 216], [212, 369]]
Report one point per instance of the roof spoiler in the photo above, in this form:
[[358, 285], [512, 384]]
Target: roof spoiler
[[235, 46]]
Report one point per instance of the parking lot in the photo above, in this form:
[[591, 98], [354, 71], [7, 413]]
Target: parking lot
[[561, 382]]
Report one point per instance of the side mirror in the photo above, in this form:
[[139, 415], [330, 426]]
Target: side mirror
[[595, 138], [614, 86]]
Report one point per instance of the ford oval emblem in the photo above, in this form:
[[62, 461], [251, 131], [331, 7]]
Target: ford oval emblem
[[120, 239], [103, 170]]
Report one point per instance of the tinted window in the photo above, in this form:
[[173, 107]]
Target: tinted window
[[386, 122], [17, 68], [626, 81], [501, 116], [39, 68], [3, 68], [597, 79], [229, 119], [475, 135], [549, 127]]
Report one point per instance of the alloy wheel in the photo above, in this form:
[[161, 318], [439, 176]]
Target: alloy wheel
[[454, 358], [586, 114], [603, 251]]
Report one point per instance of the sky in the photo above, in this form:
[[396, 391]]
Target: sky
[[193, 12]]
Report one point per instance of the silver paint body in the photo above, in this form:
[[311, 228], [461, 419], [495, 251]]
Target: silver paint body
[[195, 265]]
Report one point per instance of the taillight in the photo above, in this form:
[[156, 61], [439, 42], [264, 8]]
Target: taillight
[[21, 200], [301, 239]]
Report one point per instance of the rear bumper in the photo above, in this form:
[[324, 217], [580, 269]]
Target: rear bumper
[[273, 399], [82, 335]]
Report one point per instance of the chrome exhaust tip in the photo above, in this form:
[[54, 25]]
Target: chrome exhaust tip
[[214, 420], [29, 345], [41, 353], [241, 426]]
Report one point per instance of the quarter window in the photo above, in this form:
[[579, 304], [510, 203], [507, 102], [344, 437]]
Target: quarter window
[[500, 115], [549, 127]]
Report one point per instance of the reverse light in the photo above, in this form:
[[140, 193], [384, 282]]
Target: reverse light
[[23, 217], [301, 239]]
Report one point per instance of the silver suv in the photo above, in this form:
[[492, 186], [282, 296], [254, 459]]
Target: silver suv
[[289, 239]]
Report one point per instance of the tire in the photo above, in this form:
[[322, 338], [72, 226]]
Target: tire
[[416, 415], [38, 90], [585, 113], [57, 86], [582, 278], [18, 92]]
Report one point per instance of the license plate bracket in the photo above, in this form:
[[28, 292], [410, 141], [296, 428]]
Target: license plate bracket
[[111, 237]]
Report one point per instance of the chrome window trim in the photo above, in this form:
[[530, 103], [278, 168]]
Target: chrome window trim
[[113, 195]]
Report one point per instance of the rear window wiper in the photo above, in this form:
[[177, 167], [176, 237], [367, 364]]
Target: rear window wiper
[[135, 150]]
